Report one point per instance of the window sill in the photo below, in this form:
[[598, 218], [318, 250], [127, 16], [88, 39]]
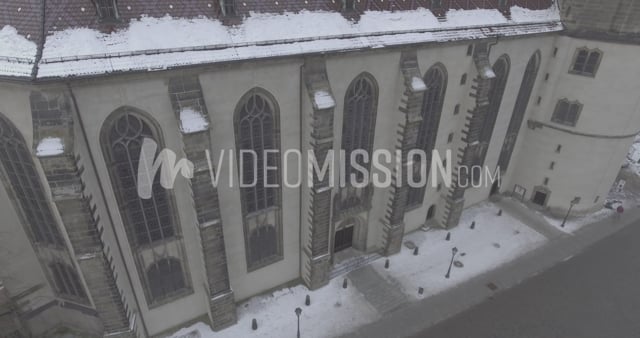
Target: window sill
[[582, 74], [172, 297]]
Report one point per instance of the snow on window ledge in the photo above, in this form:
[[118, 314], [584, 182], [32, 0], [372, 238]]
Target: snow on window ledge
[[323, 100], [417, 85], [192, 121], [50, 146]]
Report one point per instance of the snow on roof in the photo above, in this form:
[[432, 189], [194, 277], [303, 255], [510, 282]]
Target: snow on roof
[[50, 146], [17, 53], [192, 121], [159, 43]]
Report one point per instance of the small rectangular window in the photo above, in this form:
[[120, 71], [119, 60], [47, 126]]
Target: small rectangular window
[[586, 62], [555, 51], [470, 50], [463, 79], [437, 4], [546, 77], [567, 112], [546, 181], [552, 165], [559, 148], [539, 100]]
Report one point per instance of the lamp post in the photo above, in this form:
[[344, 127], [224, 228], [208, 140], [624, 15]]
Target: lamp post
[[575, 201], [454, 251], [298, 313]]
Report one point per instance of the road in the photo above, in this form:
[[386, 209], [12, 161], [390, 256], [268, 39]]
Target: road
[[595, 294]]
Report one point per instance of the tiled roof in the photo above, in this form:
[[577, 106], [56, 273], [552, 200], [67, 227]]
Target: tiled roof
[[26, 16]]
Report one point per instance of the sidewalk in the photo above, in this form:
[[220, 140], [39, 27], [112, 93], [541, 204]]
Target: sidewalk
[[418, 316]]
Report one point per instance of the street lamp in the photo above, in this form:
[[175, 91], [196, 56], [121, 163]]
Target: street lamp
[[454, 251], [575, 201], [298, 313]]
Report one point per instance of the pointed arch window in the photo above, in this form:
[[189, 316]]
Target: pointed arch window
[[358, 129], [66, 280], [146, 220], [520, 108], [24, 182], [436, 81], [257, 121], [498, 85]]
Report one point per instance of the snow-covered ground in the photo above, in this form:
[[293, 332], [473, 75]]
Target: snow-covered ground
[[575, 223], [343, 309], [494, 241]]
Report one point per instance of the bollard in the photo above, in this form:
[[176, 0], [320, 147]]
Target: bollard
[[344, 284], [307, 300], [473, 225], [254, 324], [386, 264], [415, 251], [448, 236]]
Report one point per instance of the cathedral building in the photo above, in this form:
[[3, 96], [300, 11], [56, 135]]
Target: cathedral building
[[543, 92]]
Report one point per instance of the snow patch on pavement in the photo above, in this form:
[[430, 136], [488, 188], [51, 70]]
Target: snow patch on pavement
[[495, 241]]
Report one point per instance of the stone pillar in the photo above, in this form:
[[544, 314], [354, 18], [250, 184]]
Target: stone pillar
[[52, 120], [454, 202], [318, 129], [188, 103], [410, 106]]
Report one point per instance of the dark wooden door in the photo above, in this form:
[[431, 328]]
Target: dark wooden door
[[343, 239]]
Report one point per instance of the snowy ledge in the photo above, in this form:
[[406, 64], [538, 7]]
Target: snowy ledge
[[192, 121], [50, 146], [161, 43]]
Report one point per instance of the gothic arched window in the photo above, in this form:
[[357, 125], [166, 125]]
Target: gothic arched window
[[436, 81], [358, 128], [25, 184], [257, 129], [498, 85], [66, 280], [166, 278], [520, 108], [146, 220]]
